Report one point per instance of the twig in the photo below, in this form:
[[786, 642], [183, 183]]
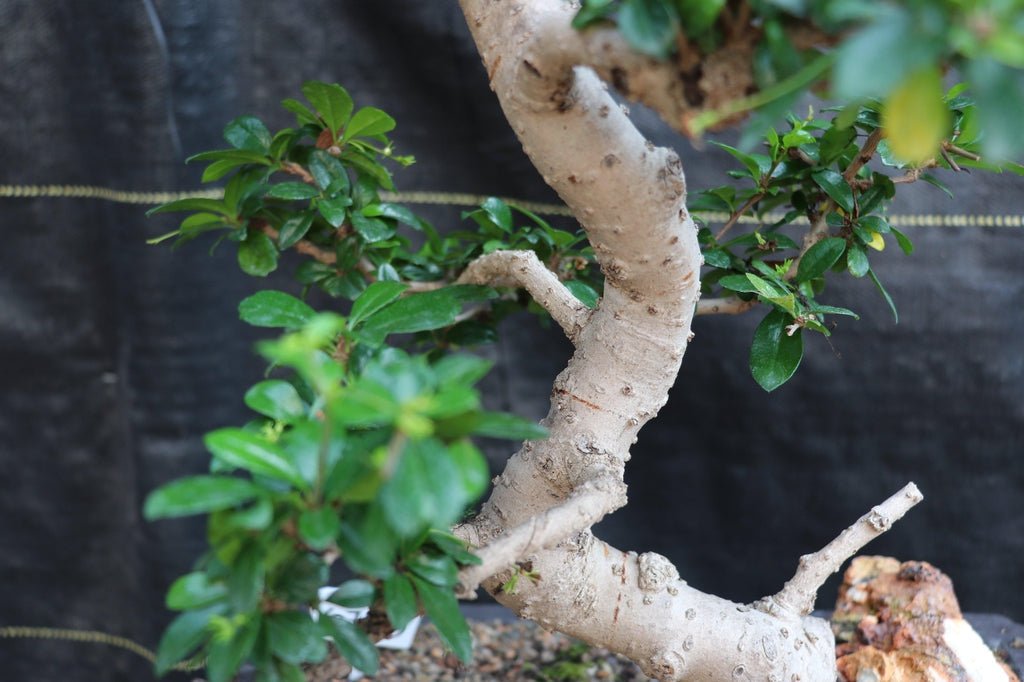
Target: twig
[[296, 169], [867, 151], [522, 269], [585, 507], [738, 213], [728, 305], [799, 593]]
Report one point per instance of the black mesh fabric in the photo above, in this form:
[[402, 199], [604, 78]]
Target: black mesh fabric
[[115, 356]]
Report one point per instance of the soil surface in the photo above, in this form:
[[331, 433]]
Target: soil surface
[[503, 650]]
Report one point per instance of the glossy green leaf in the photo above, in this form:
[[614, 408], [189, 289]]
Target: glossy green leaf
[[328, 173], [460, 370], [739, 283], [276, 399], [372, 230], [292, 190], [885, 295], [353, 594], [191, 204], [443, 609], [198, 495], [774, 354], [583, 292], [193, 591], [246, 581], [294, 229], [835, 187], [352, 643], [376, 296], [181, 638], [820, 258], [649, 26], [417, 312], [302, 113], [499, 212], [334, 210], [275, 309], [331, 101], [367, 122], [905, 244], [257, 255], [249, 451], [857, 261], [248, 133], [399, 601]]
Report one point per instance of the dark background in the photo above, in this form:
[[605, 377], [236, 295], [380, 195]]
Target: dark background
[[115, 357]]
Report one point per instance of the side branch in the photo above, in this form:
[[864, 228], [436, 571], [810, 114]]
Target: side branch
[[522, 269], [799, 593], [584, 508]]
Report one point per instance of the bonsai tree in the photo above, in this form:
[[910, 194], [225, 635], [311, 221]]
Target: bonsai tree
[[362, 452]]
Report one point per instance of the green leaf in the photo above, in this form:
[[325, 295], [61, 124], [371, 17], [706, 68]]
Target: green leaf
[[249, 451], [191, 204], [439, 570], [885, 295], [915, 118], [276, 399], [836, 187], [352, 643], [393, 211], [757, 164], [399, 600], [820, 258], [717, 258], [334, 210], [369, 545], [257, 255], [198, 495], [294, 229], [193, 591], [302, 113], [376, 296], [739, 283], [247, 578], [319, 527], [460, 370], [903, 241], [275, 309], [1000, 96], [367, 122], [417, 312], [649, 26], [583, 292], [295, 638], [371, 229], [443, 609], [353, 594], [248, 133], [182, 637], [332, 102], [292, 190], [499, 212], [225, 657], [454, 547], [328, 173], [508, 426], [774, 354], [857, 261]]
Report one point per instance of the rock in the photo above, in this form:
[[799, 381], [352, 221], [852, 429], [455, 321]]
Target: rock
[[900, 622]]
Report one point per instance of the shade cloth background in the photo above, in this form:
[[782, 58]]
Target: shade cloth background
[[115, 357]]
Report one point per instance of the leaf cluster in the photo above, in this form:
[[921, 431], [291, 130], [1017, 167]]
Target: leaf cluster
[[362, 450]]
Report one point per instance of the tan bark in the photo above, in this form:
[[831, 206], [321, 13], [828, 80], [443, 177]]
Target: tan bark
[[630, 198]]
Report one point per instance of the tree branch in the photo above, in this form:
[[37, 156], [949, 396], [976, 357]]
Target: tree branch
[[585, 507], [523, 270], [727, 305], [799, 593]]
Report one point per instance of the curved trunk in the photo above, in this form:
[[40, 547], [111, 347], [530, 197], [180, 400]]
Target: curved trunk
[[630, 197]]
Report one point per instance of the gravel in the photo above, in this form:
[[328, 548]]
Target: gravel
[[519, 650]]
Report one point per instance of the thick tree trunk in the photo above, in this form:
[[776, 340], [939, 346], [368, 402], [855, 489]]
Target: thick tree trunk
[[630, 198]]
